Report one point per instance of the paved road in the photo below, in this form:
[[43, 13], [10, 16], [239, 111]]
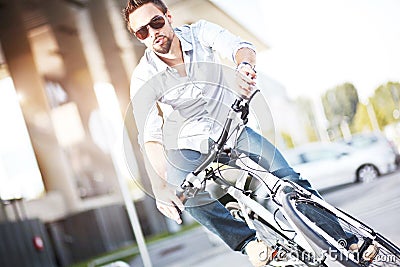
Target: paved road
[[376, 203]]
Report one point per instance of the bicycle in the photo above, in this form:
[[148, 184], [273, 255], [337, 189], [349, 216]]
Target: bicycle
[[292, 227]]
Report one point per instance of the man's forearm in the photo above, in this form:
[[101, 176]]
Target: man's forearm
[[155, 163]]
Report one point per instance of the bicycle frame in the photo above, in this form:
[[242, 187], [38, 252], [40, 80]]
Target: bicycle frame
[[194, 182]]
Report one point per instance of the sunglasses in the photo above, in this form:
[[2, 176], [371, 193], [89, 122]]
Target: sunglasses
[[156, 23]]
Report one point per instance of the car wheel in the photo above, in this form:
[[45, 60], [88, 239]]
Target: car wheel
[[367, 173]]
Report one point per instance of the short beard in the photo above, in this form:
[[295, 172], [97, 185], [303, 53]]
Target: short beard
[[165, 47]]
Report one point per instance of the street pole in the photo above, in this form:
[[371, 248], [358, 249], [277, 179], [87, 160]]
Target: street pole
[[344, 127], [114, 126], [132, 214], [395, 98], [372, 117], [320, 118]]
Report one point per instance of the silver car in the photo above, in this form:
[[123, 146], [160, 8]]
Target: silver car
[[374, 142], [327, 165]]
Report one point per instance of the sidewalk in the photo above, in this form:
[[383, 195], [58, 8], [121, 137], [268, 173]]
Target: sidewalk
[[195, 248]]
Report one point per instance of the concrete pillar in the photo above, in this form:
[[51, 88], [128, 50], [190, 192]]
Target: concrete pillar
[[110, 49], [77, 80], [52, 162]]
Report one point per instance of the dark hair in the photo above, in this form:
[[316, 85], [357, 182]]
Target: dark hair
[[132, 5]]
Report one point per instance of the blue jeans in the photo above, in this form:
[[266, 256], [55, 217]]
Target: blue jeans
[[210, 212]]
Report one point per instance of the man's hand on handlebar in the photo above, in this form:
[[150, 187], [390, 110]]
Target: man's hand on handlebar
[[246, 80], [168, 203]]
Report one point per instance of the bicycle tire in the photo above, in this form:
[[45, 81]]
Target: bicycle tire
[[294, 206], [272, 237]]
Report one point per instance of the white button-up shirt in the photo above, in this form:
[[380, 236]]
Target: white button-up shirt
[[193, 108]]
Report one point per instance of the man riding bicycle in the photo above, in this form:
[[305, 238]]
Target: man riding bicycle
[[173, 146]]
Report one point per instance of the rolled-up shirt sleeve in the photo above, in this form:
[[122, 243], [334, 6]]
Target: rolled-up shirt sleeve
[[144, 104], [221, 40]]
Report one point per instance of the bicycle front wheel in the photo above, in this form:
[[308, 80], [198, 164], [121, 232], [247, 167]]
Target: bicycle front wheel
[[335, 232]]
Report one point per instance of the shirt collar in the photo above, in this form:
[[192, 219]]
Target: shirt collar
[[185, 44], [158, 63]]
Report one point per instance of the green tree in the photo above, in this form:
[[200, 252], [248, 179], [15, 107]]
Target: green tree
[[340, 104], [361, 121], [386, 103]]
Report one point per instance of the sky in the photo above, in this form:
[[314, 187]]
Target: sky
[[315, 45]]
